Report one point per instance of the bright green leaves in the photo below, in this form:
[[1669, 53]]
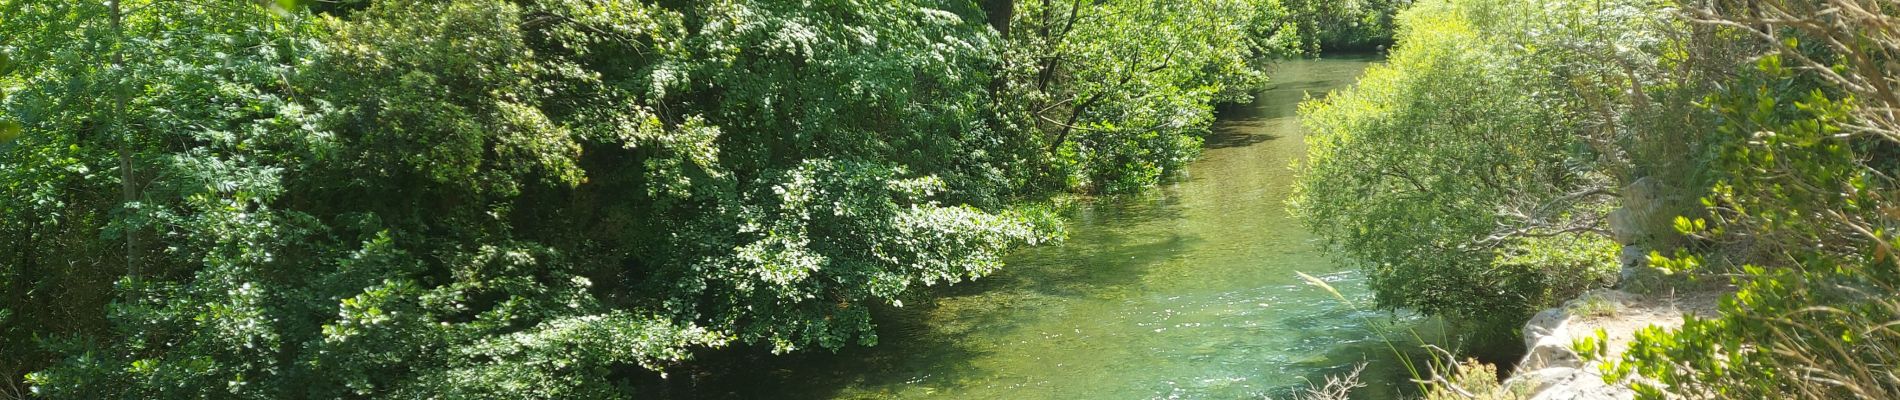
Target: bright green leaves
[[450, 90], [1681, 261], [1451, 174], [283, 8], [1116, 94], [1802, 169], [536, 360], [845, 230]]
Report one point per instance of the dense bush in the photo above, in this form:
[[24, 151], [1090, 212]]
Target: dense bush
[[494, 198], [1412, 175], [1777, 115], [1808, 145], [1465, 175]]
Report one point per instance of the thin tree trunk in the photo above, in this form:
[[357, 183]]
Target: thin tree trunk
[[128, 188], [28, 268], [1000, 13]]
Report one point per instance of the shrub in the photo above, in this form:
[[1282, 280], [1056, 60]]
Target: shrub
[[1809, 145]]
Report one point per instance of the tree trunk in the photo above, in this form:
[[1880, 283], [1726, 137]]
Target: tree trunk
[[1000, 13], [128, 188]]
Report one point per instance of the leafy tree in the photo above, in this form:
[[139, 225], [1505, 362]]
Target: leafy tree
[[1459, 174], [1344, 25], [1115, 93], [106, 111], [488, 198]]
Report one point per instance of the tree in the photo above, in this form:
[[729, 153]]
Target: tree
[[420, 198], [488, 198], [1350, 25], [1115, 93], [1472, 174]]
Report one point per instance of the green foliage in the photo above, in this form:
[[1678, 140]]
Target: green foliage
[[495, 198], [1454, 174], [1566, 265], [1113, 94], [1811, 322], [1344, 25]]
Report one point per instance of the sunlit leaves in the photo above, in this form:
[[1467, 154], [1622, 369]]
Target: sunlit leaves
[[861, 226], [1115, 94], [1811, 320], [1441, 170]]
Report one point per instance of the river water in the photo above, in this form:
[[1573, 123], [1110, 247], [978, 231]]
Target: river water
[[1188, 291]]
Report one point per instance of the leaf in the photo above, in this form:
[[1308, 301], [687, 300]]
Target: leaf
[[9, 130], [283, 8]]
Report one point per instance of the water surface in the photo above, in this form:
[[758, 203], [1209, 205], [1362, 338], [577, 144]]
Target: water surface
[[1188, 291]]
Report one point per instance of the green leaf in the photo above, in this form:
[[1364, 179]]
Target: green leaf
[[9, 130]]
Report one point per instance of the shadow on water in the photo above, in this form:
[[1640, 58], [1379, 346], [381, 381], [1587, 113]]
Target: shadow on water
[[1248, 124], [752, 372], [927, 343], [1233, 137]]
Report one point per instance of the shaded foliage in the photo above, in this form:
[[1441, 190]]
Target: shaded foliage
[[1345, 25], [495, 198]]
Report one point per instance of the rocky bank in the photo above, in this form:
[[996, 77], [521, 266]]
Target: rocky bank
[[1552, 370]]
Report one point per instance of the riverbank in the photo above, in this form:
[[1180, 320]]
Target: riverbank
[[1185, 291], [1552, 369]]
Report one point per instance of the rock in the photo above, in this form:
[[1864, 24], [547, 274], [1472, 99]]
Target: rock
[[1581, 384], [1551, 352], [1640, 277], [1625, 228], [1633, 256], [1566, 383], [1539, 380], [1545, 323], [1633, 260], [1552, 370], [1646, 212], [1548, 341], [1629, 223]]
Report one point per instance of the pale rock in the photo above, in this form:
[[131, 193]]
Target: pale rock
[[1549, 342], [1539, 380], [1581, 384]]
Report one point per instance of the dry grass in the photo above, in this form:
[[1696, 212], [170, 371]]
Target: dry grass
[[1337, 387], [1471, 380]]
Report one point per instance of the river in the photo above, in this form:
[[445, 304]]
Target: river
[[1188, 291]]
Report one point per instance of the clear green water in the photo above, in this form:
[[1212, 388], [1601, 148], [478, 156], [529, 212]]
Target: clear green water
[[1186, 292]]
